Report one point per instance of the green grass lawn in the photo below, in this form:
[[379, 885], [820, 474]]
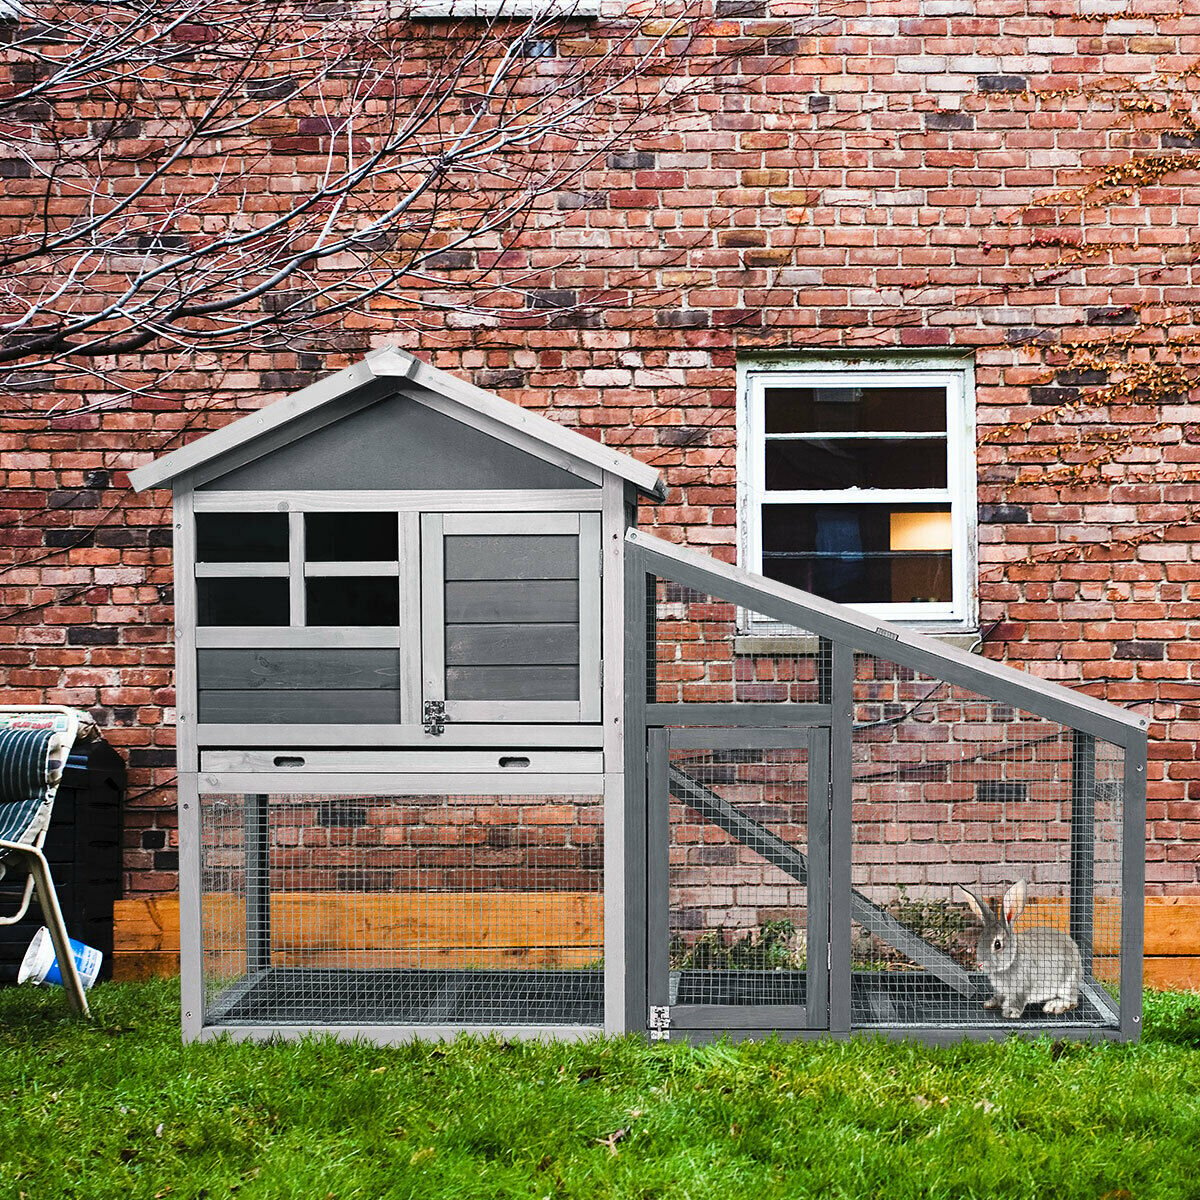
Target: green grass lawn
[[120, 1108]]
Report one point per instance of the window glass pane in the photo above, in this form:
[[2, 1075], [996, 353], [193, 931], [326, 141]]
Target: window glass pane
[[242, 601], [855, 409], [353, 600], [241, 537], [856, 462], [861, 553], [350, 537]]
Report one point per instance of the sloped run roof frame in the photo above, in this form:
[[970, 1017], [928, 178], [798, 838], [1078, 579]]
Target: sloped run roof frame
[[1046, 699], [268, 430]]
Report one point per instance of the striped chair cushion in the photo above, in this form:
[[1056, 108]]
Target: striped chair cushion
[[31, 764]]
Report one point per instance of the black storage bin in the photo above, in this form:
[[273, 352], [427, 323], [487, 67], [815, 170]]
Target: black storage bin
[[84, 851]]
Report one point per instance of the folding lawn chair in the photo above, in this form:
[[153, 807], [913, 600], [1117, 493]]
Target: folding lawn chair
[[34, 743]]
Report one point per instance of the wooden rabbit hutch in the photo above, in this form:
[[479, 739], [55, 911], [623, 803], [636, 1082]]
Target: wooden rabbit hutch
[[459, 749]]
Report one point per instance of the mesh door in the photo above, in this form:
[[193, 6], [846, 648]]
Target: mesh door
[[952, 790], [743, 878], [405, 910]]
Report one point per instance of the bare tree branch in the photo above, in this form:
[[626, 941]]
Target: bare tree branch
[[212, 176]]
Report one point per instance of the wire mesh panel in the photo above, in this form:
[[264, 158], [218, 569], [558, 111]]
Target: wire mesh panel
[[986, 860], [981, 842], [402, 910], [705, 650], [735, 854]]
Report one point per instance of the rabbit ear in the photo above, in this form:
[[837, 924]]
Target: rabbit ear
[[1014, 901], [974, 903]]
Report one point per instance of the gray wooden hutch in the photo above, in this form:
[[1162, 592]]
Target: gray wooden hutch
[[393, 585], [459, 748]]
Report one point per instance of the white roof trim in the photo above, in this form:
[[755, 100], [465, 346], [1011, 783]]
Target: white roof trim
[[395, 364]]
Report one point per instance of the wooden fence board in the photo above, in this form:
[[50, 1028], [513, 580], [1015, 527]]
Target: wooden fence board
[[460, 929], [436, 929]]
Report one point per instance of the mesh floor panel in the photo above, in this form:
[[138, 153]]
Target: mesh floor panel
[[298, 996], [875, 998], [916, 998]]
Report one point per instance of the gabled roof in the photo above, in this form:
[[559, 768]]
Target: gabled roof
[[413, 376]]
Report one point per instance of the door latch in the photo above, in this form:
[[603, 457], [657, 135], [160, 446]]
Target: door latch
[[660, 1022], [434, 716]]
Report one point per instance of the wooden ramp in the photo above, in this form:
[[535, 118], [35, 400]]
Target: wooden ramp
[[793, 862]]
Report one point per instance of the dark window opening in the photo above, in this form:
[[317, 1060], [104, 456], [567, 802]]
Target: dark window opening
[[352, 600], [855, 410], [241, 537], [856, 463], [861, 553], [242, 601], [351, 537]]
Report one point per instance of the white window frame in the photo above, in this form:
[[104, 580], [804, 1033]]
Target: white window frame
[[960, 615]]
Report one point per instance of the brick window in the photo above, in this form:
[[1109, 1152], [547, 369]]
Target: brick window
[[857, 482]]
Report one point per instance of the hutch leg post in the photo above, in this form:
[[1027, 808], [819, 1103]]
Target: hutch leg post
[[841, 832], [1133, 885]]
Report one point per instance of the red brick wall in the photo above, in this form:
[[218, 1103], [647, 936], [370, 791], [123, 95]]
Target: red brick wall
[[875, 181]]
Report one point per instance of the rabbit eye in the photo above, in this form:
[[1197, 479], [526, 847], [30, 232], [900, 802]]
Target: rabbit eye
[[998, 944]]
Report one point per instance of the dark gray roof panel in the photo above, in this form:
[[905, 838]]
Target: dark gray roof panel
[[295, 417], [397, 445]]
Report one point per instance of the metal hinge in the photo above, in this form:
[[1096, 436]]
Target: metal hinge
[[660, 1022], [434, 717]]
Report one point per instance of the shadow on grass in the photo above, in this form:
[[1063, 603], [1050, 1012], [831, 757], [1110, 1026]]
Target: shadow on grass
[[32, 1016]]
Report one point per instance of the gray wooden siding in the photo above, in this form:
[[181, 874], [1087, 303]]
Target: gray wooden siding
[[512, 616], [503, 556], [512, 683], [285, 670], [503, 645], [499, 601], [397, 444], [326, 706], [336, 686]]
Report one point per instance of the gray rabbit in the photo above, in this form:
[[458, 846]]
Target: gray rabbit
[[1035, 966]]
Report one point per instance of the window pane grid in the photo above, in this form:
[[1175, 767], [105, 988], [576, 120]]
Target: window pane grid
[[340, 568], [857, 483]]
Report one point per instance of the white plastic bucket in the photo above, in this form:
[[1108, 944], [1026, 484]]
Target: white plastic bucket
[[40, 965]]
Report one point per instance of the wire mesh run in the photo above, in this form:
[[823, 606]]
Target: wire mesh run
[[705, 650], [963, 856], [737, 841], [402, 910], [992, 838]]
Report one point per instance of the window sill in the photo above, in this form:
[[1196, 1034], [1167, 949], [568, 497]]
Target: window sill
[[502, 10], [808, 644]]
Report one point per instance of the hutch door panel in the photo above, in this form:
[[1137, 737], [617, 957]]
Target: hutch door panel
[[511, 616], [737, 881]]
